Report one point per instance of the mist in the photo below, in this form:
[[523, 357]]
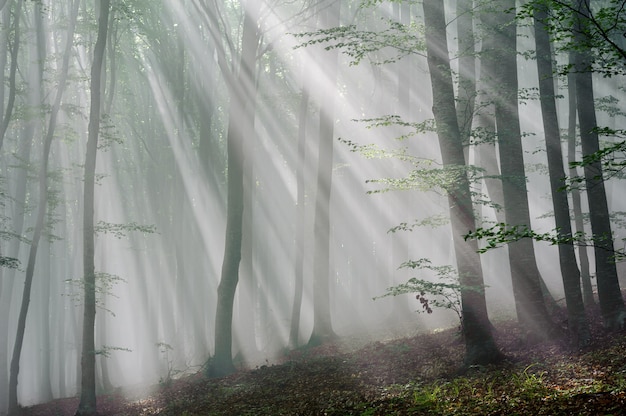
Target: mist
[[200, 97]]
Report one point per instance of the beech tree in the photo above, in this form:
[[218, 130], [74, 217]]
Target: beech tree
[[42, 207], [322, 324], [87, 404], [480, 346], [240, 135], [529, 300], [610, 296], [578, 325]]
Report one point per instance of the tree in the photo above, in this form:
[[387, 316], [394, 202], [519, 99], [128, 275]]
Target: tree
[[467, 69], [240, 132], [41, 211], [294, 331], [529, 301], [576, 198], [480, 347], [13, 48], [87, 404], [578, 325], [609, 294], [322, 324]]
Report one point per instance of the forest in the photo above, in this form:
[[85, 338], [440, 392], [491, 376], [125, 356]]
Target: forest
[[205, 195]]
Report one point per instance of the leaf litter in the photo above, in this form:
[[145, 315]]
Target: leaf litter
[[419, 374]]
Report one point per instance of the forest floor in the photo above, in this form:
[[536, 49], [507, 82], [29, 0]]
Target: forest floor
[[415, 375]]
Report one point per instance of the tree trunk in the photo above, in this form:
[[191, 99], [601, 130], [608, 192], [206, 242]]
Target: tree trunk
[[303, 115], [240, 127], [13, 50], [87, 404], [322, 322], [609, 294], [485, 151], [529, 300], [578, 325], [467, 70], [585, 275], [41, 213], [480, 347]]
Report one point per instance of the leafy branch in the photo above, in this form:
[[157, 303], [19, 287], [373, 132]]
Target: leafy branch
[[359, 44], [104, 286], [120, 230], [106, 350], [444, 292], [502, 234]]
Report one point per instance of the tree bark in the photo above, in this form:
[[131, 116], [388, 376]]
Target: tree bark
[[240, 128], [87, 404], [467, 70], [529, 299], [303, 115], [13, 51], [609, 293], [480, 347], [322, 321], [583, 256], [578, 325], [41, 212]]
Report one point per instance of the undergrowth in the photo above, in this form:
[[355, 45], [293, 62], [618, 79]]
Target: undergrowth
[[418, 375]]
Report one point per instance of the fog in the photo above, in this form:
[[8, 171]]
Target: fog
[[162, 185]]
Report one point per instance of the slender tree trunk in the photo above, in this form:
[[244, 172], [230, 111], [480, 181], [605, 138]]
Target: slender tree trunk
[[40, 220], [609, 294], [7, 277], [87, 404], [303, 115], [529, 299], [13, 50], [467, 70], [322, 322], [578, 325], [480, 347], [585, 275], [240, 128], [485, 151], [5, 48]]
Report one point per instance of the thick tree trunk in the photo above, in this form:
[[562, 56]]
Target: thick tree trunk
[[578, 325], [87, 404], [480, 347], [529, 299], [609, 294]]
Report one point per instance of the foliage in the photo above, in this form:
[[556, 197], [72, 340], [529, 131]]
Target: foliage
[[104, 287], [120, 230], [432, 221], [106, 350], [612, 157], [9, 262], [444, 292], [399, 39], [502, 234], [603, 27]]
